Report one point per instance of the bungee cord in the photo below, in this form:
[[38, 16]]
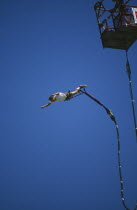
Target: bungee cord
[[112, 117], [131, 92]]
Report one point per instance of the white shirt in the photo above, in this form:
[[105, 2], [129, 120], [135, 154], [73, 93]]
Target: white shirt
[[60, 97]]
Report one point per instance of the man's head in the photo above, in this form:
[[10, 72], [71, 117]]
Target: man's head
[[52, 98]]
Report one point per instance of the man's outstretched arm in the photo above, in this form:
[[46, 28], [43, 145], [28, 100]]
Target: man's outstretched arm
[[46, 105]]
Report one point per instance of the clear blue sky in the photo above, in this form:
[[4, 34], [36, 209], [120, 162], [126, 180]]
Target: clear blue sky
[[63, 157]]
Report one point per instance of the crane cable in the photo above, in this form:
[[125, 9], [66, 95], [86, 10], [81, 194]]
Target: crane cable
[[112, 117], [131, 92]]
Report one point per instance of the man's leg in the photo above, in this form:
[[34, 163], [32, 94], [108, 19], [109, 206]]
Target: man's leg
[[78, 89], [75, 91]]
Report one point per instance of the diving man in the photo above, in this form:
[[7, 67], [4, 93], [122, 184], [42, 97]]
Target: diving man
[[63, 96]]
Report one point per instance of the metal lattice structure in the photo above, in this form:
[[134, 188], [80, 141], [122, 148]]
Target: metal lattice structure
[[117, 27]]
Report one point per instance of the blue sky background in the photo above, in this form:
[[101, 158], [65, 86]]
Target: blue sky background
[[65, 156]]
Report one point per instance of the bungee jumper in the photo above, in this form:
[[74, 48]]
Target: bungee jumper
[[81, 90], [64, 96], [59, 96]]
